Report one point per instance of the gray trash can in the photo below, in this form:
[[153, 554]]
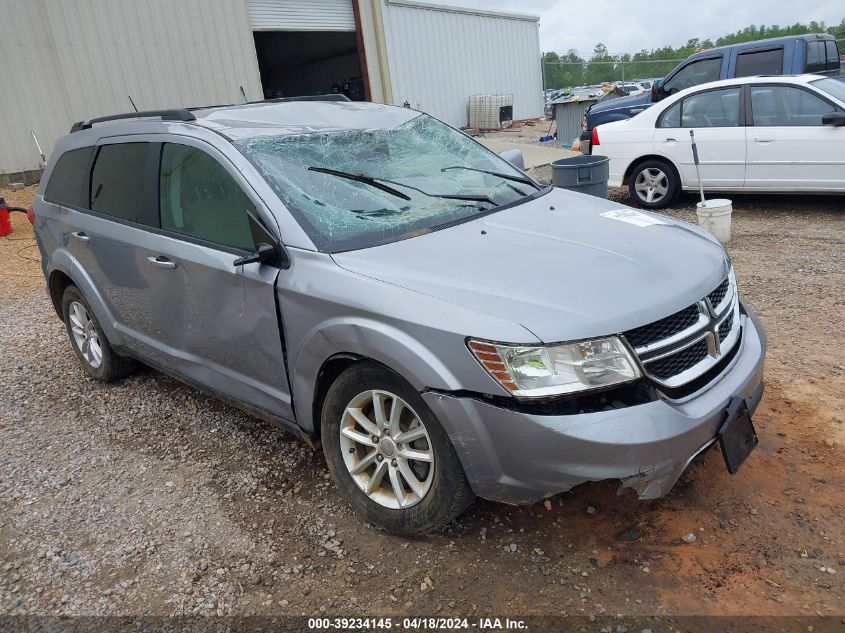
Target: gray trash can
[[585, 174]]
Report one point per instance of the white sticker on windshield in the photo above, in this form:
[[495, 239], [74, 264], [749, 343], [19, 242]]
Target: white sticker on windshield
[[631, 217]]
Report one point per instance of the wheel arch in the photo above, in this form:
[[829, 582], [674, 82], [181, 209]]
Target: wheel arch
[[64, 270], [57, 283], [639, 161], [333, 347]]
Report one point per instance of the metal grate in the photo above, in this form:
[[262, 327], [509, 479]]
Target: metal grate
[[718, 294], [680, 362], [663, 328], [725, 327]]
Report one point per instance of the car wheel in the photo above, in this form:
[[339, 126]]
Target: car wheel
[[388, 454], [88, 341], [654, 184]]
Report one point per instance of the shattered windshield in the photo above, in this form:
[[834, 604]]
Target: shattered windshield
[[353, 189]]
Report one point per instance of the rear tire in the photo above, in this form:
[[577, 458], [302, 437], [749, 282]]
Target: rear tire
[[366, 451], [654, 184], [88, 341]]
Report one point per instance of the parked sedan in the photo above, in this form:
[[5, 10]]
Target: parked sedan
[[778, 134]]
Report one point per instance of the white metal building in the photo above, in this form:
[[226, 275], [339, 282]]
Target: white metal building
[[67, 60]]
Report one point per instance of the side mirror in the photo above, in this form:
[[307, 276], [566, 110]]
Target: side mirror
[[514, 157], [265, 253], [836, 119]]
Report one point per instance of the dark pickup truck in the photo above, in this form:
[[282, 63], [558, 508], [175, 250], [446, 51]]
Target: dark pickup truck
[[792, 55]]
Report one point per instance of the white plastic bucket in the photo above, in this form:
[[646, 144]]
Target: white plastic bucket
[[714, 216]]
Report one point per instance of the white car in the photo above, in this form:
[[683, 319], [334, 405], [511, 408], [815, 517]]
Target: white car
[[778, 134]]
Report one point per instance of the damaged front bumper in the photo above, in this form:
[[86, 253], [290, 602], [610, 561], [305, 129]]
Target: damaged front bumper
[[520, 458]]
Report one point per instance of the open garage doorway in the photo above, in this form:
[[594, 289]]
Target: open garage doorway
[[296, 63]]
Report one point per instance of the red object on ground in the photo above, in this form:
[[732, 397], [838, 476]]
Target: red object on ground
[[5, 221], [30, 215]]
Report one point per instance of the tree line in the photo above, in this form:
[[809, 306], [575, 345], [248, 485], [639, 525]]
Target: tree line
[[570, 69]]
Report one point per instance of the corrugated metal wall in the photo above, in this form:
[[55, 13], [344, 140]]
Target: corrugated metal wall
[[569, 117], [75, 60], [301, 15], [439, 56]]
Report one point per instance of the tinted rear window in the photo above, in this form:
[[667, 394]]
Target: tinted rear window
[[65, 185], [119, 186], [816, 57], [769, 62], [832, 56]]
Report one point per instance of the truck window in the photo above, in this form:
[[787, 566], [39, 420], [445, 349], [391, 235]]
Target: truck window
[[760, 62], [816, 57], [832, 56], [698, 72]]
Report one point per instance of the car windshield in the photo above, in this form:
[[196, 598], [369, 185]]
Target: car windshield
[[833, 87], [352, 189]]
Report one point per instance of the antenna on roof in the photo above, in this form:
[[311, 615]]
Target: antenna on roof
[[40, 151], [134, 107], [243, 92]]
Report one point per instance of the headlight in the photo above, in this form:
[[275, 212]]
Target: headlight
[[553, 370]]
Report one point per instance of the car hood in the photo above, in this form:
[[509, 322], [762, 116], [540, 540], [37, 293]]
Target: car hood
[[620, 103], [556, 266]]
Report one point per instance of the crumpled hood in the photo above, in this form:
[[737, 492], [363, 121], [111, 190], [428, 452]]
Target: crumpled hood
[[563, 273]]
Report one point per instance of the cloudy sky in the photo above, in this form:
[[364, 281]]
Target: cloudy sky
[[630, 25]]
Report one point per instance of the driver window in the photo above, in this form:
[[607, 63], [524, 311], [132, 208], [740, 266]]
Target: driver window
[[201, 200], [698, 72]]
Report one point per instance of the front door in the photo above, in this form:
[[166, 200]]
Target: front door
[[788, 147], [204, 318]]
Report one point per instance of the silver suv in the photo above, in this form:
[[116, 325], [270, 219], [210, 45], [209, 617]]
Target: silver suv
[[387, 288]]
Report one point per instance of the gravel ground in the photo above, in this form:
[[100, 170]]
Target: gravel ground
[[148, 497]]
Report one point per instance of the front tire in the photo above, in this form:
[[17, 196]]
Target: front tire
[[388, 454], [654, 184], [90, 344]]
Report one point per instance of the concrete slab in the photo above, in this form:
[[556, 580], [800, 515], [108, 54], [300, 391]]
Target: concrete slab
[[535, 155]]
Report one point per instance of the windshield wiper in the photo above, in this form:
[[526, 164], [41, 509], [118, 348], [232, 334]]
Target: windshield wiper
[[377, 183], [521, 179], [367, 180]]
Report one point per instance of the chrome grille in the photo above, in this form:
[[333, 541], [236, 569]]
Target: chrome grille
[[726, 327], [682, 361], [719, 293], [681, 347], [663, 328]]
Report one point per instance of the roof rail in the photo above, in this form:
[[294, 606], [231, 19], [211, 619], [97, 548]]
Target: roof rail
[[178, 114], [330, 97]]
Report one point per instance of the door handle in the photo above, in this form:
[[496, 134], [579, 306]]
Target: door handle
[[161, 262], [80, 235], [763, 139], [670, 140]]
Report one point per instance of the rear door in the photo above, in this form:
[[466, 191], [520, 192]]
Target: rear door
[[715, 116], [788, 147], [205, 318], [115, 214], [759, 61]]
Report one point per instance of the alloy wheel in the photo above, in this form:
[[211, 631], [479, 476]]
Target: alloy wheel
[[85, 335], [387, 449], [651, 185]]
